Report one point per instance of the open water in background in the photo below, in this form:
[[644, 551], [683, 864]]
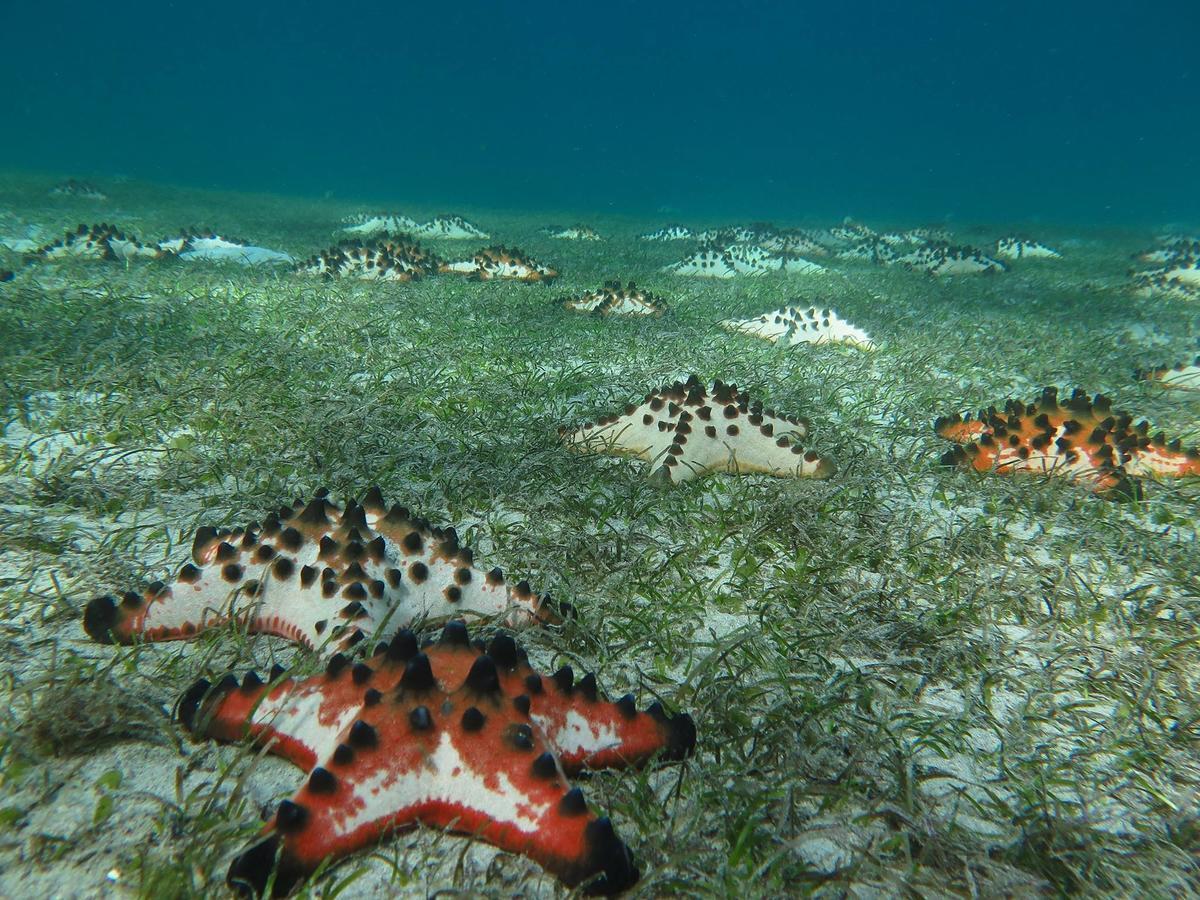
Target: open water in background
[[1062, 112]]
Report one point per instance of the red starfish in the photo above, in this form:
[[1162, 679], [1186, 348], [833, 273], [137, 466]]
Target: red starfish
[[455, 735]]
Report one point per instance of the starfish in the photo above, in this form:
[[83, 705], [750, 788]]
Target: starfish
[[319, 575], [898, 239], [1023, 248], [943, 259], [390, 260], [101, 241], [783, 244], [454, 735], [614, 300], [736, 234], [669, 233], [793, 325], [1078, 438], [82, 189], [753, 259], [501, 262], [795, 241], [1179, 277], [929, 234], [684, 431], [381, 223], [707, 262], [450, 227], [1171, 248], [1183, 377], [574, 233], [210, 246], [874, 250], [108, 242], [853, 232], [725, 259]]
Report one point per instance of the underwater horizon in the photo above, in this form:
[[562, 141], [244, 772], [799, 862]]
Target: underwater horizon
[[1067, 113]]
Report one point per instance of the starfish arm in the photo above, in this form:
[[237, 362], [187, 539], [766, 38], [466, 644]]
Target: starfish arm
[[199, 598], [741, 442], [502, 262], [1159, 460], [614, 300], [582, 728], [1184, 377], [452, 585], [587, 731], [958, 428], [299, 720], [586, 303], [644, 431], [493, 781]]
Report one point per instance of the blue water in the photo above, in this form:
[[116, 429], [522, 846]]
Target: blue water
[[1060, 112]]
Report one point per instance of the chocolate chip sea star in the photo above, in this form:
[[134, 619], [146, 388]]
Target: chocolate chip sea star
[[452, 734], [321, 575], [685, 431], [1079, 438]]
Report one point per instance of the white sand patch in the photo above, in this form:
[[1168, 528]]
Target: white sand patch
[[61, 807], [717, 625], [823, 854]]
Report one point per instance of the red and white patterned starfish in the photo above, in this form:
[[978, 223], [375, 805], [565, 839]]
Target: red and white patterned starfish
[[454, 735]]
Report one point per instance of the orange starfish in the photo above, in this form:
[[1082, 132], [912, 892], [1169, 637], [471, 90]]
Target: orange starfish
[[1080, 438]]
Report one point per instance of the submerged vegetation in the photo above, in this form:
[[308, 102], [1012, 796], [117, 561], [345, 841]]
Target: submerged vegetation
[[904, 678]]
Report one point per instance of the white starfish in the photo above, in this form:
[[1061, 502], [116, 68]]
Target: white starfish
[[943, 259], [318, 574], [450, 228], [685, 431], [614, 300], [792, 325], [1021, 248], [1184, 377], [384, 223], [669, 233]]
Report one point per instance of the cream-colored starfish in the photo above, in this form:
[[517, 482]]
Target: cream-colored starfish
[[684, 430], [794, 325], [944, 259], [369, 225], [1179, 278], [1183, 377], [614, 300], [1024, 248], [451, 227]]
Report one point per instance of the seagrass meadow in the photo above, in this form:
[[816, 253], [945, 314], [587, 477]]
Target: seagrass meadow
[[906, 679]]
